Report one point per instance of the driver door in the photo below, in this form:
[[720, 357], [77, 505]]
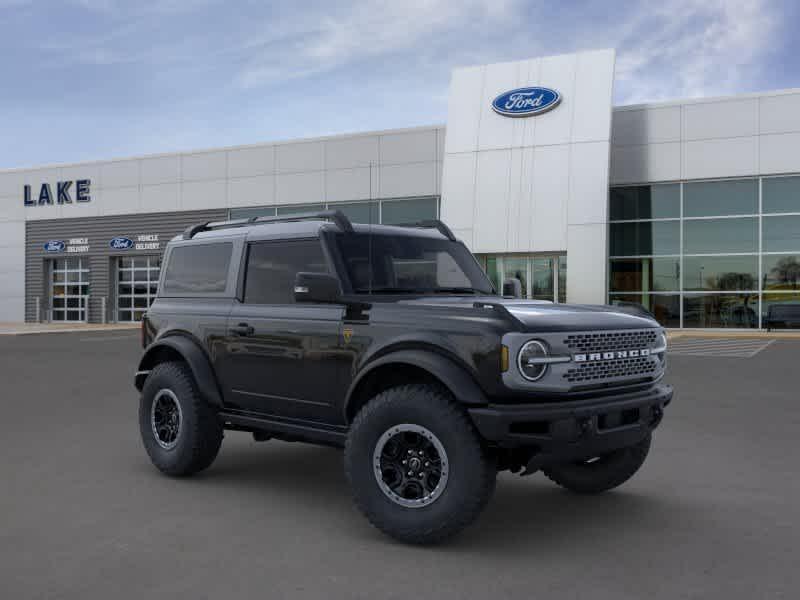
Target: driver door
[[283, 358]]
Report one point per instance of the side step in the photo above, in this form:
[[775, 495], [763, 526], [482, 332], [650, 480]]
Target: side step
[[306, 431]]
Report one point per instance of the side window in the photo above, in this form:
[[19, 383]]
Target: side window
[[272, 267], [198, 269]]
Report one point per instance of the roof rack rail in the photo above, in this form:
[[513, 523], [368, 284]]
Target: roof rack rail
[[433, 224], [336, 216]]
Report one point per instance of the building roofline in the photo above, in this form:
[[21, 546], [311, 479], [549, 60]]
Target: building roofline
[[706, 100], [284, 142], [433, 127]]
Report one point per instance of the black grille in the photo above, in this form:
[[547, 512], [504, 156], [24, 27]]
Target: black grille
[[635, 339], [609, 369]]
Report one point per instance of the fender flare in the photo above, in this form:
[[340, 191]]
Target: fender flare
[[194, 356], [453, 376]]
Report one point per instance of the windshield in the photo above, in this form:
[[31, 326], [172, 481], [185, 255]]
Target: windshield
[[403, 264]]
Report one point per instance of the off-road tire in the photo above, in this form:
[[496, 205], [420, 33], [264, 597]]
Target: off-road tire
[[605, 473], [472, 472], [200, 433]]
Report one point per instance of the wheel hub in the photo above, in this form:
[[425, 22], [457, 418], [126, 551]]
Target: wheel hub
[[410, 465], [166, 419]]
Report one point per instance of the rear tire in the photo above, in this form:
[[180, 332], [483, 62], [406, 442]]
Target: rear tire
[[602, 473], [180, 431], [454, 476]]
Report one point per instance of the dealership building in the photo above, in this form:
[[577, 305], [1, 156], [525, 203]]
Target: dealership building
[[689, 207]]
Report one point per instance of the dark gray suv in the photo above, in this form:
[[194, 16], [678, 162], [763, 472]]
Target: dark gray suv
[[392, 343]]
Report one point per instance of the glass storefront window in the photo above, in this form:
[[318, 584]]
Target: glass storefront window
[[539, 276], [780, 272], [388, 212], [249, 213], [543, 281], [781, 234], [516, 267], [734, 273], [492, 268], [292, 209], [398, 212], [645, 202], [780, 194], [664, 307], [770, 299], [358, 212], [720, 236], [720, 198], [645, 239], [720, 310], [730, 252], [644, 275]]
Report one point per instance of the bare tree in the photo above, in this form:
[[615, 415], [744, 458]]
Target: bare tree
[[735, 281], [786, 272], [745, 283]]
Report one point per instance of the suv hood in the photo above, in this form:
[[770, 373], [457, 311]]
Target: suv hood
[[537, 315]]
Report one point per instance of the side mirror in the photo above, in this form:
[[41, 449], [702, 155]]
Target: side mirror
[[512, 287], [317, 287]]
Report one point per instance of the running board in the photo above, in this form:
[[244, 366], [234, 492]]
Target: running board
[[307, 431]]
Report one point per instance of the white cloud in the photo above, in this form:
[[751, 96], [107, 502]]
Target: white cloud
[[367, 29], [689, 48], [668, 49]]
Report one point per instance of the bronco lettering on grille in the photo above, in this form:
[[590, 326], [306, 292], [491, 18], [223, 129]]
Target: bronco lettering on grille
[[597, 356]]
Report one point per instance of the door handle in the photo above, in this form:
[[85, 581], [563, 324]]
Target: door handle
[[242, 329]]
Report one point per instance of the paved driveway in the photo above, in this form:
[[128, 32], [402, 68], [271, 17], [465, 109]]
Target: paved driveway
[[715, 513]]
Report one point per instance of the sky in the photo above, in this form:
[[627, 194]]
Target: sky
[[97, 79]]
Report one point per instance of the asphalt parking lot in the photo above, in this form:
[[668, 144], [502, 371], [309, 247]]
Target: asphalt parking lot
[[715, 512]]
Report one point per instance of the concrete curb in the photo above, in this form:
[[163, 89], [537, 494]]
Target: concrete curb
[[39, 328]]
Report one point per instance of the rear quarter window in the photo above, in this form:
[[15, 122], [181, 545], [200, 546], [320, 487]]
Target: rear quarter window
[[198, 269]]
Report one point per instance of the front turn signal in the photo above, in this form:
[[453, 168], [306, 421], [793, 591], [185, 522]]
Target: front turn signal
[[503, 359]]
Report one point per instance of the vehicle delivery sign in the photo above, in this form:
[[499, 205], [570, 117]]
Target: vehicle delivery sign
[[148, 241]]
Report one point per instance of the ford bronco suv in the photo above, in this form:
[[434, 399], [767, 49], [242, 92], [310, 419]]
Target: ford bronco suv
[[392, 343]]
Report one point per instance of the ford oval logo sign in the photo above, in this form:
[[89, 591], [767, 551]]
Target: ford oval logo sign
[[526, 102], [121, 243], [54, 246]]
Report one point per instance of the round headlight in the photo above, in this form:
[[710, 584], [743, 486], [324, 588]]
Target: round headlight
[[530, 368]]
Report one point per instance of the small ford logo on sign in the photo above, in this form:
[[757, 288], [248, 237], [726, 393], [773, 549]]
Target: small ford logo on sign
[[54, 246], [526, 102], [121, 243]]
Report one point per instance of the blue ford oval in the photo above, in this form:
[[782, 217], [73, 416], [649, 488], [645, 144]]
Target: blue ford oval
[[526, 102], [54, 246], [121, 243]]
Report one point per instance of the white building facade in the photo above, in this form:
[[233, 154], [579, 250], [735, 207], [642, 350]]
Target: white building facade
[[691, 208]]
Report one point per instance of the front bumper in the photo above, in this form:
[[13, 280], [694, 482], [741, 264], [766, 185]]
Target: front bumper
[[566, 431]]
